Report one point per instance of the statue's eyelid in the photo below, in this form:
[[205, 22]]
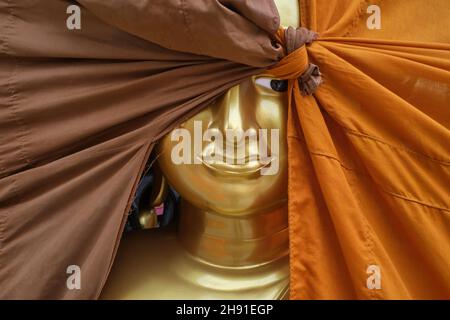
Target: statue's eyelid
[[264, 82]]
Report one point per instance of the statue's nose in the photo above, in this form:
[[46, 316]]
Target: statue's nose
[[235, 110], [235, 117]]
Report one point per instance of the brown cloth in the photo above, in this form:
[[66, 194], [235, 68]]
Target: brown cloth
[[81, 109]]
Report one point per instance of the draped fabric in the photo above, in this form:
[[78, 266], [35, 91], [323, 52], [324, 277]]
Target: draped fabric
[[369, 153], [80, 110]]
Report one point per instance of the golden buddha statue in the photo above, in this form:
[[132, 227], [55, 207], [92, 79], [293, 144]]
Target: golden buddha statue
[[231, 239]]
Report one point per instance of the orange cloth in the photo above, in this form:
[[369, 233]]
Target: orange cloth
[[369, 153]]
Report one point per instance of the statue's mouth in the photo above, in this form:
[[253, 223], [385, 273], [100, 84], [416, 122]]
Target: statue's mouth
[[248, 166]]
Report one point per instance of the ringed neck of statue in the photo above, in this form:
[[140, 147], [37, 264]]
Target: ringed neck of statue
[[234, 241]]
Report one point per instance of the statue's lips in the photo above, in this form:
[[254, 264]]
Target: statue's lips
[[247, 168]]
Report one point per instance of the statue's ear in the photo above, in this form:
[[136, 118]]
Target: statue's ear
[[159, 188], [151, 192], [164, 204], [151, 203]]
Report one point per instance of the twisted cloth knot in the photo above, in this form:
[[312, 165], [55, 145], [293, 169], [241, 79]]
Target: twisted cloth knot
[[295, 65]]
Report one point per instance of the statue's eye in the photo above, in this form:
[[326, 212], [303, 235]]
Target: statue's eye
[[279, 85], [274, 84]]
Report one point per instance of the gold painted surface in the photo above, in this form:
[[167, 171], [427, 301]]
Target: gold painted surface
[[236, 241], [153, 265], [233, 189], [289, 12], [231, 241], [148, 219]]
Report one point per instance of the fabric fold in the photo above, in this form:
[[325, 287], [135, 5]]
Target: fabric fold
[[80, 111], [369, 156]]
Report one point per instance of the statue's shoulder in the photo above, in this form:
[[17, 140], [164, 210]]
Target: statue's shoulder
[[143, 267], [153, 265]]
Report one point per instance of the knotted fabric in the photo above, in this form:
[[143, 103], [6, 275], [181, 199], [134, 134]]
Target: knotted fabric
[[304, 76]]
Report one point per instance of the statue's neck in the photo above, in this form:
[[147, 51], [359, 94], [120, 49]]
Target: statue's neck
[[234, 241]]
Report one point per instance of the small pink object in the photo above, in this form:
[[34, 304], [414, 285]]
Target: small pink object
[[159, 210]]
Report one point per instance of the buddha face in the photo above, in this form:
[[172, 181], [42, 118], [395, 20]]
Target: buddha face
[[236, 154]]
